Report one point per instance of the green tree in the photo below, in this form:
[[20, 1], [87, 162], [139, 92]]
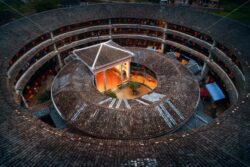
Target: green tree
[[134, 86]]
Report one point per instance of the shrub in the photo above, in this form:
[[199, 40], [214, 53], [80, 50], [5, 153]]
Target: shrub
[[110, 93]]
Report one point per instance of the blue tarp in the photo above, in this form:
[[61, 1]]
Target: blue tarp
[[215, 91]]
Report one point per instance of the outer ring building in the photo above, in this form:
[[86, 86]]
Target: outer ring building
[[26, 141]]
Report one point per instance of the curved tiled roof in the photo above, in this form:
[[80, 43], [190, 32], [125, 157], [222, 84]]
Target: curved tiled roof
[[25, 141], [79, 95]]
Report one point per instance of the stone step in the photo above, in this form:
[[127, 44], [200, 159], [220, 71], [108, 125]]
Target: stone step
[[165, 111], [175, 109], [58, 121], [165, 118]]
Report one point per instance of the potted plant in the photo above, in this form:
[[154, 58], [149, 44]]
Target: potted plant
[[134, 86]]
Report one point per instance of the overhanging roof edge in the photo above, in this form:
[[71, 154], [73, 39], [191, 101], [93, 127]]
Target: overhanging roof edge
[[91, 66], [123, 50], [114, 62]]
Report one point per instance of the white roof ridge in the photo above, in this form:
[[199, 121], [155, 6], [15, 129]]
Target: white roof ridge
[[99, 51]]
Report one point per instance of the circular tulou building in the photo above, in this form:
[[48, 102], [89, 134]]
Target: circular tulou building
[[124, 85]]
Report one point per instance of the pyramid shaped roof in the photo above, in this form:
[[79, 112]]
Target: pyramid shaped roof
[[102, 55]]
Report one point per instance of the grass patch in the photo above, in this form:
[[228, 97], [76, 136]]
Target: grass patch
[[242, 14], [31, 6]]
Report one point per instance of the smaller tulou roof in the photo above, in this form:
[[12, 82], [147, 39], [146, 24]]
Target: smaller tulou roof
[[103, 54]]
